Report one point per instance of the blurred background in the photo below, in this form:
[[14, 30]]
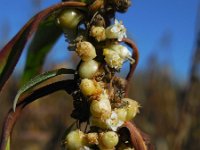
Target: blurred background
[[166, 82]]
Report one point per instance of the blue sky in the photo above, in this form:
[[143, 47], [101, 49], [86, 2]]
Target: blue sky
[[147, 22]]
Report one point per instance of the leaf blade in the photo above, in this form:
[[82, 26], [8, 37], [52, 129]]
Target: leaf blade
[[38, 80], [8, 144], [45, 37]]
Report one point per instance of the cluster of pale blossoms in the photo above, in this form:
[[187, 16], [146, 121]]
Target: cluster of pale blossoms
[[106, 117]]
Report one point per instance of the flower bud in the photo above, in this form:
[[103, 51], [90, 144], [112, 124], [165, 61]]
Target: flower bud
[[69, 18], [89, 87], [132, 108], [85, 50], [108, 140], [88, 69], [75, 140], [98, 33]]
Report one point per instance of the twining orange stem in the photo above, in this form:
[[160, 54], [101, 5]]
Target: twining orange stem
[[135, 56], [136, 137]]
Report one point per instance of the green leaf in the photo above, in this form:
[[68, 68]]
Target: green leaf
[[11, 52], [8, 144], [38, 80], [45, 37]]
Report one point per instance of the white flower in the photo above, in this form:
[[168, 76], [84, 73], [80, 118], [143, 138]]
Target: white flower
[[115, 55], [121, 50], [113, 122], [112, 59], [116, 31]]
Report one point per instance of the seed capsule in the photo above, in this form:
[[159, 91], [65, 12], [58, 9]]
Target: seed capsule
[[89, 87], [88, 69], [69, 18], [86, 51], [132, 108], [75, 140], [108, 140]]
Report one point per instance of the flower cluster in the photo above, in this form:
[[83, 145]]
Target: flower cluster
[[101, 56]]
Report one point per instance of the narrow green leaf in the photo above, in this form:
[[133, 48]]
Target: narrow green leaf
[[45, 37], [38, 80], [8, 144]]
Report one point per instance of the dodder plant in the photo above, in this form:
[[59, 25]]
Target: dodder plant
[[100, 97]]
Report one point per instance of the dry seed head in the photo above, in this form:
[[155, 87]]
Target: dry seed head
[[98, 33], [86, 50], [88, 69]]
